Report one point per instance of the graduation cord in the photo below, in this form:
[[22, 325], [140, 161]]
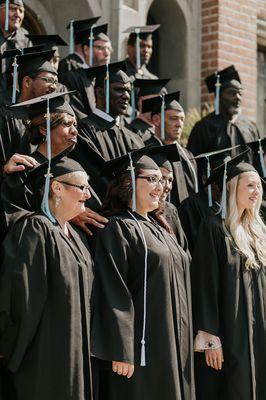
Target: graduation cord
[[143, 350]]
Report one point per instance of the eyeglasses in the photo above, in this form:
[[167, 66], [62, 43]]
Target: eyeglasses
[[103, 48], [83, 188], [154, 180], [51, 81]]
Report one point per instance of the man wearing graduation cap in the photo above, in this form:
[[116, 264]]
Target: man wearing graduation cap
[[139, 51], [225, 127], [89, 45], [12, 35], [104, 130], [168, 117]]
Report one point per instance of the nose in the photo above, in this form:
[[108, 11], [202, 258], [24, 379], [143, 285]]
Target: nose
[[126, 95], [73, 130], [87, 193]]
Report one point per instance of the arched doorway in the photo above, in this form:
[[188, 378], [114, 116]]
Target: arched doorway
[[32, 23]]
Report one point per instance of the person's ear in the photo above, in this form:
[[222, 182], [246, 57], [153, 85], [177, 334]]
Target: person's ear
[[42, 130], [56, 188], [156, 120], [26, 81]]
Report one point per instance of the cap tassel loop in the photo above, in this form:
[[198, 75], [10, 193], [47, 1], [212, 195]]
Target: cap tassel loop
[[133, 181], [217, 94], [45, 201], [163, 118], [71, 38], [223, 202], [7, 16], [133, 103], [138, 62], [107, 90], [262, 163], [15, 77], [91, 38], [210, 203]]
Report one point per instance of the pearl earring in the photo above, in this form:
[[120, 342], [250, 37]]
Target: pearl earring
[[57, 201]]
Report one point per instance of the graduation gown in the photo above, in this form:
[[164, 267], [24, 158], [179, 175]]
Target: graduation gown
[[172, 217], [69, 63], [83, 100], [229, 302], [118, 315], [46, 285], [214, 132], [142, 73]]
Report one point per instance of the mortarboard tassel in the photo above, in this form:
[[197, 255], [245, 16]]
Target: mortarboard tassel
[[7, 16], [15, 77], [217, 95], [107, 90], [223, 201], [45, 201], [91, 38], [71, 38], [209, 186], [163, 118], [143, 342], [133, 181], [133, 103], [138, 62], [262, 163]]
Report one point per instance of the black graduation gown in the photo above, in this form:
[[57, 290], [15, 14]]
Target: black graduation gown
[[213, 133], [142, 73], [139, 126], [172, 217], [46, 285], [229, 302], [118, 315], [191, 213], [83, 100], [69, 63]]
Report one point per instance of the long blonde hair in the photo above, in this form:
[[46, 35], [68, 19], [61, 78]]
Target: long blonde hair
[[248, 231]]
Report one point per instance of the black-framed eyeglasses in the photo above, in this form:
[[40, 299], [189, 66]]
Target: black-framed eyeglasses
[[51, 81], [154, 180], [83, 188]]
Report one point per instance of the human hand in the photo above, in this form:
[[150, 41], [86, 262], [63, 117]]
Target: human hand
[[18, 162], [122, 368], [89, 217], [214, 358]]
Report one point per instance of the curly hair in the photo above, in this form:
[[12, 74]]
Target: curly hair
[[118, 196], [33, 126]]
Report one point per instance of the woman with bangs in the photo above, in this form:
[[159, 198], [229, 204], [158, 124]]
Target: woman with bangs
[[229, 291]]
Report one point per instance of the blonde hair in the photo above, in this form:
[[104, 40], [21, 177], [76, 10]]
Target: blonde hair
[[248, 231]]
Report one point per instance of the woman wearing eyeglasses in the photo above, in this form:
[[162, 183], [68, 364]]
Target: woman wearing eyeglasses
[[141, 331], [45, 291]]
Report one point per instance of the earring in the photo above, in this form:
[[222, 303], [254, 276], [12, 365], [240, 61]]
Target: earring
[[57, 201]]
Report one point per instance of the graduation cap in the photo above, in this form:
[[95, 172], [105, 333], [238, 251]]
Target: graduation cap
[[221, 80], [214, 159], [18, 52], [227, 171], [7, 3], [137, 33], [29, 62], [53, 102], [49, 41], [107, 74], [149, 87], [159, 104], [258, 146], [76, 26]]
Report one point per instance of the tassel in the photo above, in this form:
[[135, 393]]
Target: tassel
[[45, 201], [71, 38], [138, 62], [143, 354], [91, 45], [133, 181], [7, 16], [209, 186], [262, 163], [107, 90], [223, 202], [15, 77], [217, 94], [163, 118], [133, 103]]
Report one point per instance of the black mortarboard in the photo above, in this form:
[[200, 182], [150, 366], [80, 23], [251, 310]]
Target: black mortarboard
[[18, 52], [136, 34], [258, 146], [35, 62], [225, 75], [35, 107], [165, 155], [49, 41], [76, 26], [150, 86]]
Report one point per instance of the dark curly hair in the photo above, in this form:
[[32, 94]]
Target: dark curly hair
[[118, 196]]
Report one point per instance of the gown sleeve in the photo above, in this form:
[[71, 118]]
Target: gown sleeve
[[23, 289], [113, 320], [207, 257]]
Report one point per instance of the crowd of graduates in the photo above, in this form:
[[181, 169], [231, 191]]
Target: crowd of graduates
[[131, 266]]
